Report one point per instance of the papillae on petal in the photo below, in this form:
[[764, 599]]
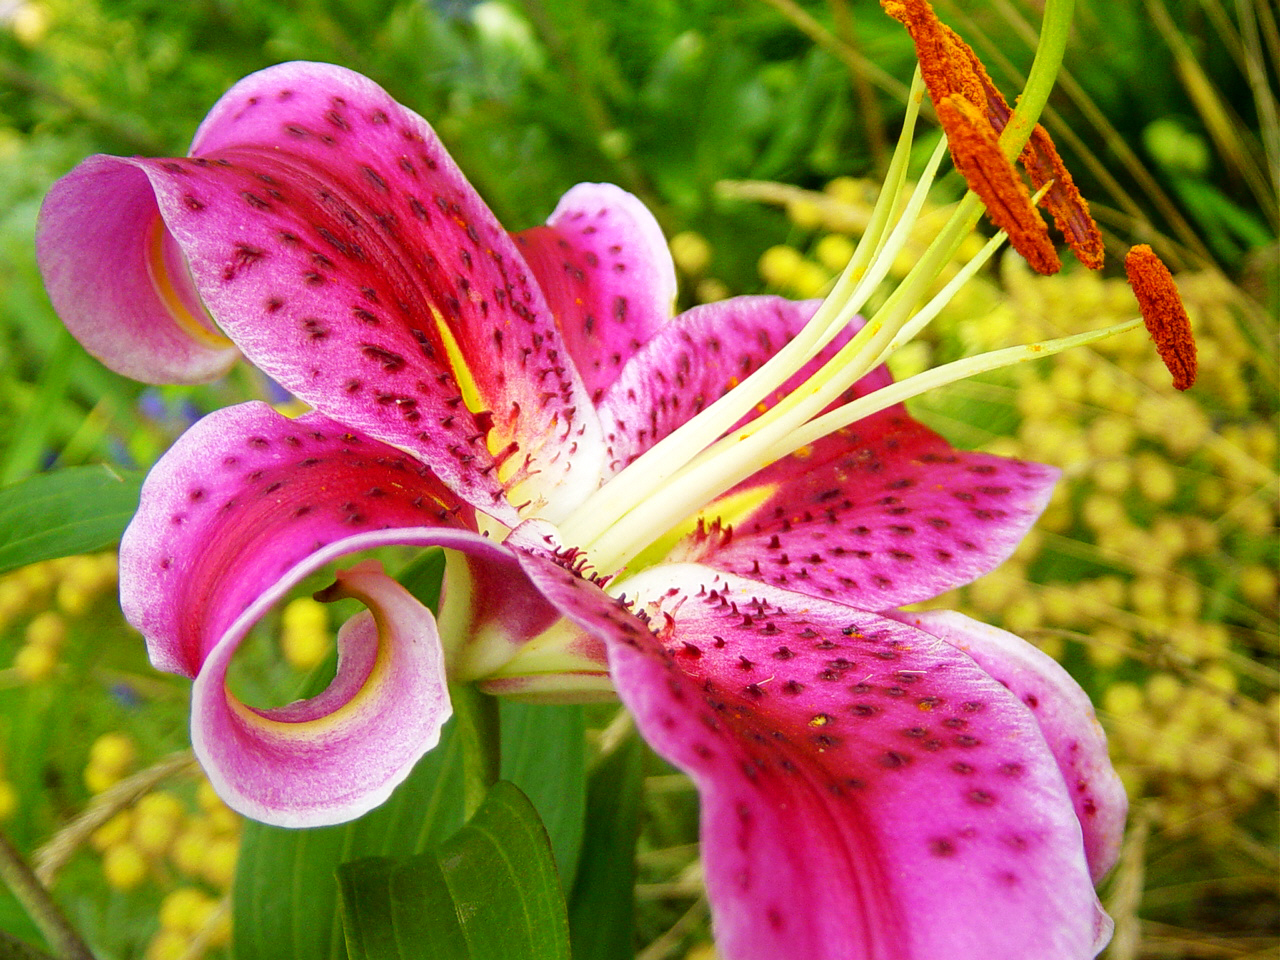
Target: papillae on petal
[[867, 790], [607, 274]]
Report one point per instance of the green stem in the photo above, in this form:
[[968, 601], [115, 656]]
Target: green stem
[[1055, 27], [21, 879], [478, 726]]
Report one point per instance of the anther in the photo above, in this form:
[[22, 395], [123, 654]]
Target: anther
[[1163, 313]]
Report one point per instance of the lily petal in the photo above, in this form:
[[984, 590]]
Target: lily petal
[[339, 754], [880, 514], [694, 360], [605, 268], [246, 496], [1065, 716], [332, 238], [118, 281], [867, 791]]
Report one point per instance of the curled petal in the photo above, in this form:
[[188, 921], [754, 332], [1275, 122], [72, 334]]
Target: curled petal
[[335, 756], [246, 496], [867, 791], [118, 280], [605, 268], [1065, 716]]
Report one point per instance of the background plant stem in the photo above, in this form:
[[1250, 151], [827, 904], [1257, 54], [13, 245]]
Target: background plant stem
[[21, 879]]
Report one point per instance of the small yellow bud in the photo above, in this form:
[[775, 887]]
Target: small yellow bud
[[1111, 436], [124, 866], [34, 664], [1108, 647], [1156, 479], [711, 290], [161, 806], [219, 866], [804, 213], [113, 752], [47, 629], [167, 945], [1123, 699], [96, 779], [189, 849], [809, 280], [1113, 476], [113, 832], [834, 251], [186, 909], [778, 265], [1258, 586], [1164, 690], [853, 192], [691, 252]]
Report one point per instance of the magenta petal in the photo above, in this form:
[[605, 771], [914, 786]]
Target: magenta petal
[[336, 242], [246, 496], [337, 755], [881, 514], [867, 791], [695, 359], [1065, 716], [605, 268], [117, 280]]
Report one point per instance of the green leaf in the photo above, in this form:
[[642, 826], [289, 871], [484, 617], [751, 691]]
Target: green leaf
[[65, 512], [602, 906], [286, 892], [544, 754], [490, 892]]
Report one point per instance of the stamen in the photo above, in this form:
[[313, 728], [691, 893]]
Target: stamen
[[949, 67], [975, 149], [1070, 211], [1163, 313]]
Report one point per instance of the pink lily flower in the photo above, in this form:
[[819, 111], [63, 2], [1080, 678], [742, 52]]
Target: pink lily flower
[[874, 783]]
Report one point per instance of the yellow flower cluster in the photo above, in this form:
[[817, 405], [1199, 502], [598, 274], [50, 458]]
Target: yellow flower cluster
[[1157, 555], [162, 835], [60, 590]]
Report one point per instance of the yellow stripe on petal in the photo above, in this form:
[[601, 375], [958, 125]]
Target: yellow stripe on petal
[[199, 330]]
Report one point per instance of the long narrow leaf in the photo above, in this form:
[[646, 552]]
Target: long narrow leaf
[[65, 512]]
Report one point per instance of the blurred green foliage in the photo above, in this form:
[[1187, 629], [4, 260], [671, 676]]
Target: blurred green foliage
[[1167, 116]]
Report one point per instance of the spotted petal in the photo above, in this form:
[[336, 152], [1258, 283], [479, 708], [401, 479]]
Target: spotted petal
[[1065, 716], [867, 790], [605, 268], [339, 754], [240, 509], [880, 514], [333, 239], [118, 280]]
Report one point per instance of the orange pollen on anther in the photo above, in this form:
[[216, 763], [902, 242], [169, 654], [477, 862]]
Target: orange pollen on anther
[[949, 66], [975, 150], [1163, 313]]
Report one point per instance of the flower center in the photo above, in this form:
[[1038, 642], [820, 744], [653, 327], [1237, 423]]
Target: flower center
[[664, 491]]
